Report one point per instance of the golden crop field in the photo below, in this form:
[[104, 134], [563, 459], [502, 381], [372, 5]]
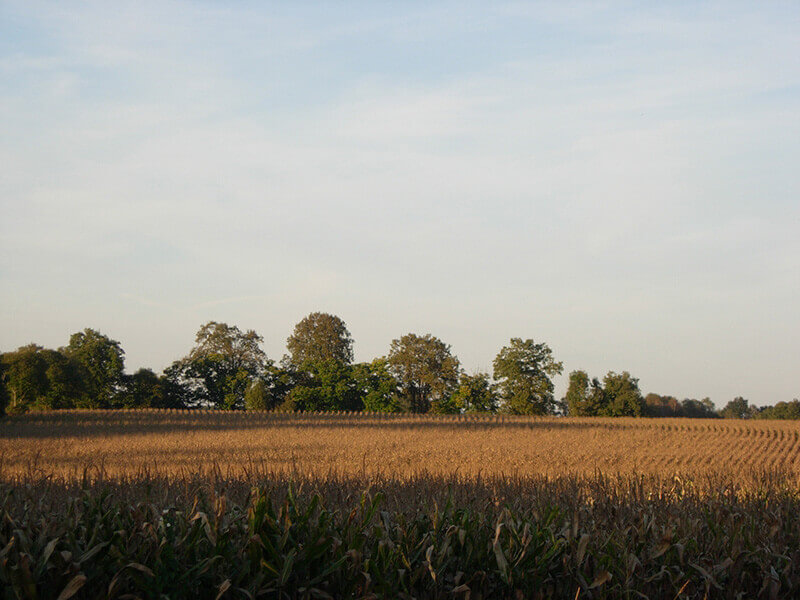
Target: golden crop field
[[180, 442], [202, 504]]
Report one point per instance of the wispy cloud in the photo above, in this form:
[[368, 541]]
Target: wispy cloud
[[619, 183]]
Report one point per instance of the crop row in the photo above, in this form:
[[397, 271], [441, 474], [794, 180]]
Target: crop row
[[426, 537]]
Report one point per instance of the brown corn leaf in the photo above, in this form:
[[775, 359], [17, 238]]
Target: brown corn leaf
[[72, 587], [224, 586], [602, 577]]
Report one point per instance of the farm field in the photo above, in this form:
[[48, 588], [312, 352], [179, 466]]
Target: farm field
[[66, 443], [175, 504]]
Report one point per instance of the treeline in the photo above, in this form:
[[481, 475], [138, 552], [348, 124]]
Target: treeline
[[227, 369]]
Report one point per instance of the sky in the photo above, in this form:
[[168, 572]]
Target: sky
[[619, 180]]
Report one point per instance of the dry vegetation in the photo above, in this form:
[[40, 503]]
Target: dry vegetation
[[154, 504], [175, 442]]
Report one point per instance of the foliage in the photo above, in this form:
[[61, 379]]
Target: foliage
[[524, 370], [145, 389], [782, 410], [270, 390], [103, 362], [4, 397], [475, 394], [669, 406], [738, 408], [617, 396], [621, 394], [40, 378], [378, 388], [320, 337], [584, 398], [257, 397], [426, 370], [221, 367], [210, 537], [325, 385]]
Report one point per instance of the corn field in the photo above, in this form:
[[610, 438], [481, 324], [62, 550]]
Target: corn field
[[178, 504]]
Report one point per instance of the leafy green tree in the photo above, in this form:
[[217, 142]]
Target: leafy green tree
[[324, 386], [584, 398], [475, 394], [320, 337], [426, 370], [25, 373], [698, 409], [103, 363], [221, 366], [145, 389], [669, 406], [622, 395], [378, 388], [782, 410], [66, 380], [3, 388], [738, 408], [257, 396], [523, 370], [270, 390], [656, 405], [39, 378]]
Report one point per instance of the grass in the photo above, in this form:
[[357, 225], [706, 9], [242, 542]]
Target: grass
[[188, 505]]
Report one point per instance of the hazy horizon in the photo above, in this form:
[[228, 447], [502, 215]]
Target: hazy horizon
[[618, 181]]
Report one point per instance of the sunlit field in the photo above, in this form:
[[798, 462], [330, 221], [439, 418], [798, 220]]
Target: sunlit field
[[178, 504], [165, 442]]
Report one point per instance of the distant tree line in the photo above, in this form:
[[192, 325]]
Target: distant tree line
[[227, 369]]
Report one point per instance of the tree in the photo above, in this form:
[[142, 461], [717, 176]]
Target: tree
[[103, 362], [669, 406], [324, 386], [25, 373], [656, 405], [66, 379], [523, 370], [270, 389], [738, 408], [782, 410], [221, 366], [584, 398], [698, 409], [24, 376], [145, 389], [41, 378], [320, 337], [426, 370], [3, 388], [622, 395], [475, 394], [256, 397], [378, 388]]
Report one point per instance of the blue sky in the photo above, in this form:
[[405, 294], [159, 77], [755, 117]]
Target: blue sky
[[619, 180]]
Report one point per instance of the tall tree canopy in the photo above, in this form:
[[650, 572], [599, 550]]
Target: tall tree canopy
[[426, 370], [325, 385], [523, 370], [475, 394], [103, 361], [40, 378], [622, 395], [320, 337], [738, 408], [221, 366], [378, 388], [584, 398]]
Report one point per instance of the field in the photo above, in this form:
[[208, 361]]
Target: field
[[176, 442], [184, 504]]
